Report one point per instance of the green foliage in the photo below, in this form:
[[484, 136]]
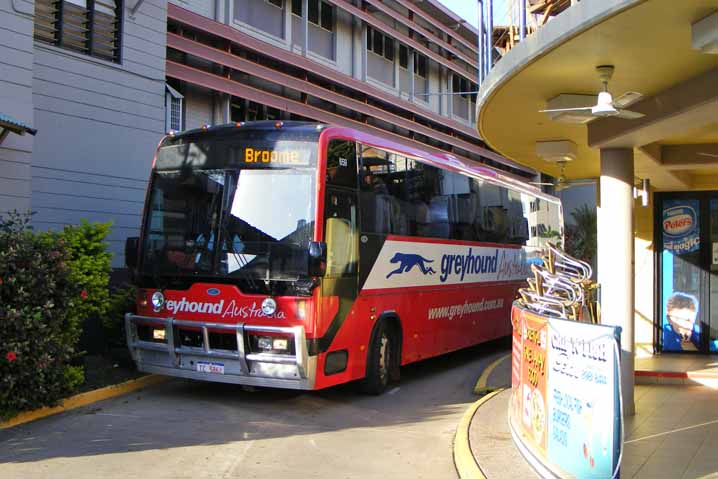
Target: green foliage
[[90, 266], [549, 233], [49, 284], [122, 300], [581, 238], [37, 294]]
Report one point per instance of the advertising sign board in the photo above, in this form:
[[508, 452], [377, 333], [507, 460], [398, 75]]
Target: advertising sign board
[[565, 398]]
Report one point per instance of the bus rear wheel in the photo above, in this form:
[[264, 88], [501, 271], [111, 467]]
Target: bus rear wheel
[[381, 360]]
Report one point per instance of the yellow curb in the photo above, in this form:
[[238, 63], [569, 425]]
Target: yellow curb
[[84, 399], [481, 386], [464, 460]]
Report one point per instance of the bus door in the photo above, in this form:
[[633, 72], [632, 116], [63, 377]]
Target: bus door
[[339, 286]]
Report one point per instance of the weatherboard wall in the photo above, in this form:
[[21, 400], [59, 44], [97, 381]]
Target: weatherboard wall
[[16, 53], [99, 123]]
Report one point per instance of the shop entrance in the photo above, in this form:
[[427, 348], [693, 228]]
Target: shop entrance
[[686, 226]]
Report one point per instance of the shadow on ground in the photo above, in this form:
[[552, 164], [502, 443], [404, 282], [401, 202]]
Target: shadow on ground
[[182, 413]]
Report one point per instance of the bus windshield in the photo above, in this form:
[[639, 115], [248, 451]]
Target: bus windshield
[[248, 221]]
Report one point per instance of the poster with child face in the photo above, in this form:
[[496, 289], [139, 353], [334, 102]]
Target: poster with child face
[[681, 275]]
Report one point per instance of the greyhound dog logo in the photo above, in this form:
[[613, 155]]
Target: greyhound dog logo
[[408, 261]]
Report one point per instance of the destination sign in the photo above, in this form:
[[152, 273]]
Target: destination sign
[[279, 157]]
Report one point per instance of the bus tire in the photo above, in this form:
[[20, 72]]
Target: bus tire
[[381, 359]]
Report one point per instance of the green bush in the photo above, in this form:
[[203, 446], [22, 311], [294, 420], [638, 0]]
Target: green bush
[[90, 266], [122, 300], [38, 330], [50, 283]]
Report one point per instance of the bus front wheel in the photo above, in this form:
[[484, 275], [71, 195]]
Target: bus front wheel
[[381, 360]]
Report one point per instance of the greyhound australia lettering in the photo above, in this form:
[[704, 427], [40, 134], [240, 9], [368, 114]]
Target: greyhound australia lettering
[[469, 263]]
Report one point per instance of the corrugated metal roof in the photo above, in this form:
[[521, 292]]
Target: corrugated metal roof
[[15, 125]]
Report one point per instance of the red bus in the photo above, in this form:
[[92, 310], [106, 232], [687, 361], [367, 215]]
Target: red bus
[[300, 255]]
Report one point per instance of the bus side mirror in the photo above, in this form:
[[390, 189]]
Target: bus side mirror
[[317, 258], [131, 247]]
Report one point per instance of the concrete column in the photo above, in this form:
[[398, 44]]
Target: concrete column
[[616, 258], [305, 26], [450, 97], [364, 53]]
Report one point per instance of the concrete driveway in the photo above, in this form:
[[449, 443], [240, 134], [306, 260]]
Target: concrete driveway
[[185, 429]]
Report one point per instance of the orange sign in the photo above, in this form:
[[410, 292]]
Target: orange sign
[[529, 373]]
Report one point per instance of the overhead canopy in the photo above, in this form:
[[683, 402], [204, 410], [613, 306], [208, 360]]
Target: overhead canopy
[[649, 43]]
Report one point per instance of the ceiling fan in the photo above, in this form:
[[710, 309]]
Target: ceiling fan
[[605, 105], [562, 182]]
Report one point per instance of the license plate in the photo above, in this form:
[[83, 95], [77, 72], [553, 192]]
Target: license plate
[[206, 367]]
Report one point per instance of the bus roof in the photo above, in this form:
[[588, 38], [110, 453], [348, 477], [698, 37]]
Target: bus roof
[[304, 128], [313, 130], [441, 159]]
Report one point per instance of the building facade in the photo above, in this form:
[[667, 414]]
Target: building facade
[[90, 77], [103, 80], [405, 70]]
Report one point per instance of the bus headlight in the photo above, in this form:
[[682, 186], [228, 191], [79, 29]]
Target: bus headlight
[[280, 344], [269, 306], [264, 342], [158, 300]]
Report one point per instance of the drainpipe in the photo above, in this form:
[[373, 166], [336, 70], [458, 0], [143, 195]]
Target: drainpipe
[[480, 45], [489, 35]]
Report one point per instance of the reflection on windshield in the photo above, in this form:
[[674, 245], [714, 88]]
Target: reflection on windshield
[[266, 223], [269, 225]]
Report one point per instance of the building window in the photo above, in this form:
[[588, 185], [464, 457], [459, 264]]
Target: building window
[[91, 27], [420, 65], [403, 57], [327, 17], [321, 13], [173, 107], [379, 43], [276, 3], [314, 12]]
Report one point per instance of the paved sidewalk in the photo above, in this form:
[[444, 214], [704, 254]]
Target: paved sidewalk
[[491, 443], [674, 434]]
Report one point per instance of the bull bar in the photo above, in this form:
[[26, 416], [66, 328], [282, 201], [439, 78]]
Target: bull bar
[[294, 371]]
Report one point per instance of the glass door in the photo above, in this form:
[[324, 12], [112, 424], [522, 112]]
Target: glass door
[[687, 239], [681, 274]]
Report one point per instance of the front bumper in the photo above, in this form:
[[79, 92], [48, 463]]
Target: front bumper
[[290, 371]]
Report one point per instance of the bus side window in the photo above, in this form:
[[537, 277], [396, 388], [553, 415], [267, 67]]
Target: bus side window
[[342, 163], [340, 233]]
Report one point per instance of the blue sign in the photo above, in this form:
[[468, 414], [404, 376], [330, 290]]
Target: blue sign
[[681, 232], [584, 431]]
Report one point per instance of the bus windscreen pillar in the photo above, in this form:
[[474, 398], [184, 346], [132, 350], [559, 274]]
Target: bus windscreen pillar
[[616, 257]]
